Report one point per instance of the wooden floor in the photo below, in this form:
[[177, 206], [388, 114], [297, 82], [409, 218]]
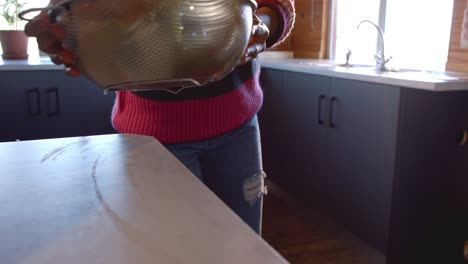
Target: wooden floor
[[304, 237]]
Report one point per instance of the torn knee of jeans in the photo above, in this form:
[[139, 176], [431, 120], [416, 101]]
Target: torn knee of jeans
[[255, 188]]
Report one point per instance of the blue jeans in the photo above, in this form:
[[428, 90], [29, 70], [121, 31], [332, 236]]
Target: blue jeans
[[230, 165]]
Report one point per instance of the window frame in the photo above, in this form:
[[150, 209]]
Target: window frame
[[331, 54], [334, 42]]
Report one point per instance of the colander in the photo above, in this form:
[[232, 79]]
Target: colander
[[154, 44]]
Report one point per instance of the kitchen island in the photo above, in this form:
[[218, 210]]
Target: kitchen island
[[114, 199]]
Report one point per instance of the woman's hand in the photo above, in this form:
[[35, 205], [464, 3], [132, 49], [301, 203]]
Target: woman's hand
[[257, 43], [50, 38], [265, 24]]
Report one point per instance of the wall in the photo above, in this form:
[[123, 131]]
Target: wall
[[309, 39], [309, 36], [457, 56]]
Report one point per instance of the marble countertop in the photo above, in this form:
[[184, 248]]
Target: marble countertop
[[427, 80], [44, 62], [33, 63], [114, 199]]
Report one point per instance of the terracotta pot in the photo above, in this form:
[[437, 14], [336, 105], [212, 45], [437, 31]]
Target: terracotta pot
[[14, 44]]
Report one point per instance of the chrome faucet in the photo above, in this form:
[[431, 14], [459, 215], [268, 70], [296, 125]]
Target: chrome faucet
[[348, 55], [380, 56]]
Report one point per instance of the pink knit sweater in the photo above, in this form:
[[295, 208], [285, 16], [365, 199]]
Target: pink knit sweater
[[191, 117]]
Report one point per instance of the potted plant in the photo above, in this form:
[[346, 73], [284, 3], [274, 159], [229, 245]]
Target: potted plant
[[13, 40]]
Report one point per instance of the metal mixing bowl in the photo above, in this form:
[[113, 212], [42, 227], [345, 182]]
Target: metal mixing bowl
[[155, 44]]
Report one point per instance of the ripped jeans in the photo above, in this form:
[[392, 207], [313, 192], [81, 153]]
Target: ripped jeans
[[231, 166]]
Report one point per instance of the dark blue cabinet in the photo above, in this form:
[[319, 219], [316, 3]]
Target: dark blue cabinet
[[47, 104], [293, 124], [331, 142], [429, 198], [387, 163], [362, 145]]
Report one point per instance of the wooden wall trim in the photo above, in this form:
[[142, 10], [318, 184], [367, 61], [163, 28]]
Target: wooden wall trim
[[309, 37], [457, 57]]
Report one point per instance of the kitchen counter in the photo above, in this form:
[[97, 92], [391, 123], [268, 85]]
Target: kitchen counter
[[34, 63], [114, 199], [426, 80], [44, 63]]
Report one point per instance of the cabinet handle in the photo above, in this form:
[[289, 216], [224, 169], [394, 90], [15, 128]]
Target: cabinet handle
[[320, 120], [53, 107], [333, 101], [34, 102]]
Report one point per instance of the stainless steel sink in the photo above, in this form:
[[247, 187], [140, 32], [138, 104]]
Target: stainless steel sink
[[411, 74], [389, 72], [373, 69], [443, 76], [328, 64]]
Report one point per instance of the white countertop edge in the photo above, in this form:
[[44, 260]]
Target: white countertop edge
[[43, 63], [442, 86]]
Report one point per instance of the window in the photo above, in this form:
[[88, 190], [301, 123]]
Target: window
[[417, 32], [32, 48]]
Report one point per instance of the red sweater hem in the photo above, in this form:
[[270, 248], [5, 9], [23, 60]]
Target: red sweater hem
[[188, 120]]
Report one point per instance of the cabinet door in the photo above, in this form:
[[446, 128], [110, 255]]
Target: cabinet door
[[48, 104], [362, 146], [295, 132], [430, 194], [20, 106], [76, 106], [269, 118]]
